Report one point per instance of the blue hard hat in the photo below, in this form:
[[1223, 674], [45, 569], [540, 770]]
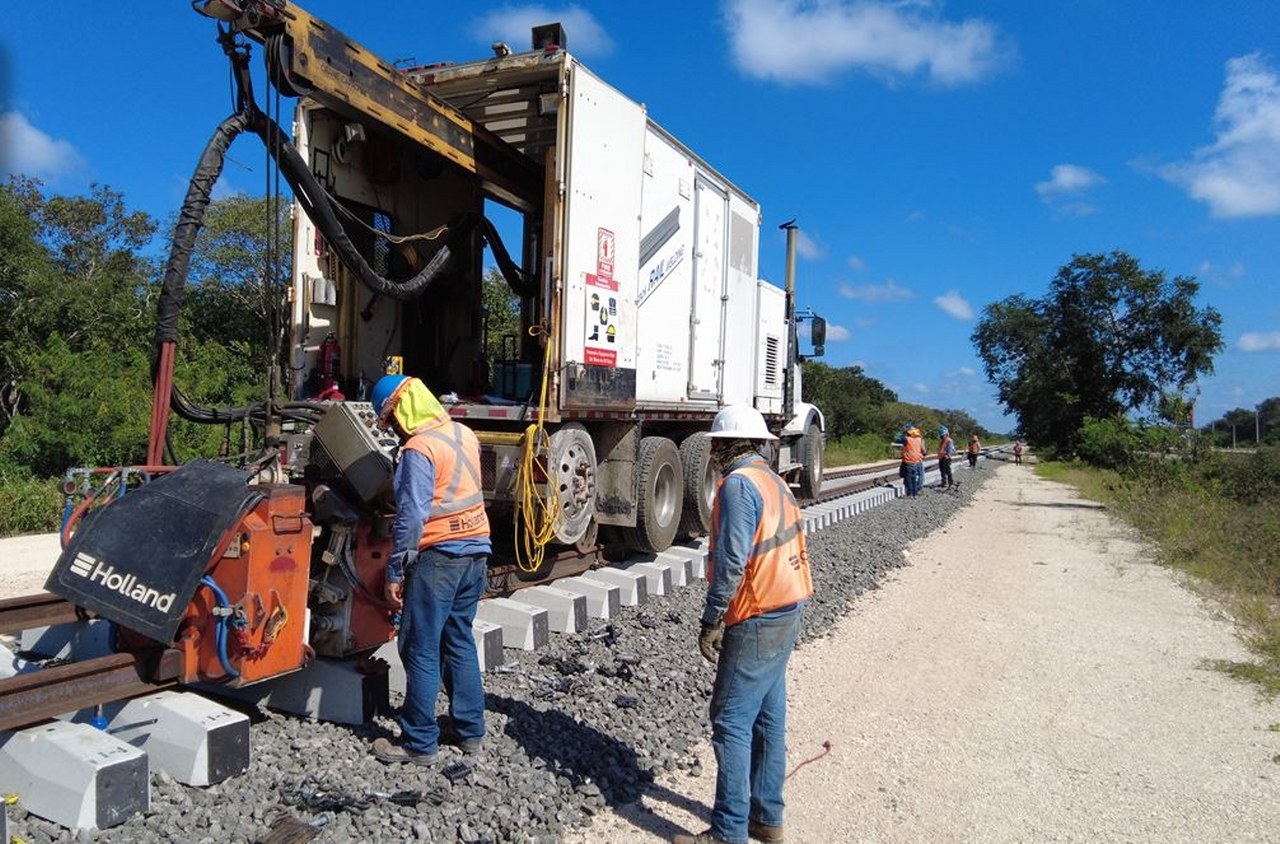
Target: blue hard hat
[[942, 432], [383, 391]]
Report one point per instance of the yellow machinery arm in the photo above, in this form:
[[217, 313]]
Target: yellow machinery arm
[[309, 57]]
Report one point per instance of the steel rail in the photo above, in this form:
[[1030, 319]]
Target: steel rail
[[39, 610], [30, 698]]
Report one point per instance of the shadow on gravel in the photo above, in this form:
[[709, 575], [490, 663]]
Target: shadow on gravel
[[1058, 505], [592, 761]]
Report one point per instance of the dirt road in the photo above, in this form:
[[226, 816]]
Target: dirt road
[[1031, 677]]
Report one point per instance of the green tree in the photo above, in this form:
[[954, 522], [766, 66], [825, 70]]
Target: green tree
[[76, 310], [848, 398], [1109, 339], [502, 318]]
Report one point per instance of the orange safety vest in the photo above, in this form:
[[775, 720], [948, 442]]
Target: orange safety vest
[[457, 502], [974, 448], [912, 450], [777, 574], [943, 451]]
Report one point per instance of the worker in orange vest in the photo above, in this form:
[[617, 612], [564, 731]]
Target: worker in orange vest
[[436, 572], [946, 448], [913, 460], [975, 448], [758, 581]]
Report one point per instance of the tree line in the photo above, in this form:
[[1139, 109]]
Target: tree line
[[1110, 340]]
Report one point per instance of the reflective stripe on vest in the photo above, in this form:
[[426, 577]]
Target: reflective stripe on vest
[[457, 502], [777, 574]]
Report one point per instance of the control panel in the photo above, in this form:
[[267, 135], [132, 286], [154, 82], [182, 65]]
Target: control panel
[[361, 451]]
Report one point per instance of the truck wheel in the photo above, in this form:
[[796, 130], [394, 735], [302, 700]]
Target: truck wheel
[[699, 484], [571, 468], [661, 494], [811, 449]]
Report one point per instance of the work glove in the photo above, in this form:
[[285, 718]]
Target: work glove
[[709, 640]]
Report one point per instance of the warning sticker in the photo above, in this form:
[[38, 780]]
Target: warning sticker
[[601, 348]]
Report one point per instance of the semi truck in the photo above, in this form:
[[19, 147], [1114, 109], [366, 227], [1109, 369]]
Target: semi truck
[[632, 265]]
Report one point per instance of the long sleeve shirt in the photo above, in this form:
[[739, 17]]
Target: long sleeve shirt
[[740, 511], [415, 484]]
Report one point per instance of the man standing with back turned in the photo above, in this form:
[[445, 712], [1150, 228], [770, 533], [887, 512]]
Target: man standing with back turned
[[758, 581], [436, 572]]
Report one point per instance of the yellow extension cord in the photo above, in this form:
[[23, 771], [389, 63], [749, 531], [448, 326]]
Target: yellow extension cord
[[535, 517]]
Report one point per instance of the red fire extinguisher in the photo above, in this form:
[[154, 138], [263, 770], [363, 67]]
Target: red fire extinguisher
[[329, 355]]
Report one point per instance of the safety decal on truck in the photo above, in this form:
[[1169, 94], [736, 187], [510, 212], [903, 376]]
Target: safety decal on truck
[[601, 347]]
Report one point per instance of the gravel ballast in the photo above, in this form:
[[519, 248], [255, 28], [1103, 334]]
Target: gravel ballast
[[583, 724]]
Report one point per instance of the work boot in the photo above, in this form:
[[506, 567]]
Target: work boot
[[764, 832], [385, 750], [707, 837]]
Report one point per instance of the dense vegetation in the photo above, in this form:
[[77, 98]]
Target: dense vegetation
[[1109, 339]]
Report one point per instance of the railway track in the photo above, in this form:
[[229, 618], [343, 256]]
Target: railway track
[[31, 697]]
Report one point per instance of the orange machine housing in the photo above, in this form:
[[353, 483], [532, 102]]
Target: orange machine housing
[[351, 614], [263, 570]]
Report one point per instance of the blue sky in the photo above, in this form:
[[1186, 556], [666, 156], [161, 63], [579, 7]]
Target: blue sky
[[938, 156]]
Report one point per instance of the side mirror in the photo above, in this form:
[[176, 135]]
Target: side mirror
[[818, 334]]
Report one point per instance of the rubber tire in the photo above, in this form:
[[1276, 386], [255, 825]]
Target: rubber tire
[[571, 449], [700, 479], [660, 497], [812, 448]]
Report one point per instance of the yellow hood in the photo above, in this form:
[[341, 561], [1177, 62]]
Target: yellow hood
[[415, 406]]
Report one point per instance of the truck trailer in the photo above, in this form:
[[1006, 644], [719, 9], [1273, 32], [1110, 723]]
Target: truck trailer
[[632, 263]]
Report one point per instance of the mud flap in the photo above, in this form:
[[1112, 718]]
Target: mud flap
[[138, 560]]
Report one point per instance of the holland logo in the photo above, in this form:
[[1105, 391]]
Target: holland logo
[[95, 571]]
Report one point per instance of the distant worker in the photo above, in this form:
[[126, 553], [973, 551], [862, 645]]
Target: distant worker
[[975, 448], [946, 448], [758, 581], [1017, 452], [913, 461], [437, 570]]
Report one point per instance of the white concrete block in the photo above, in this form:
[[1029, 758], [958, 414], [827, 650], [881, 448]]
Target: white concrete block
[[74, 775], [524, 626], [75, 641], [566, 610], [603, 599], [633, 586], [334, 690], [191, 738], [656, 575]]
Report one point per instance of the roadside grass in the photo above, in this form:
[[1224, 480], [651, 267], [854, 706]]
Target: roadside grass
[[29, 505], [1231, 548], [858, 448]]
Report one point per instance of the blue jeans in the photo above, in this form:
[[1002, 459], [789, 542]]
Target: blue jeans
[[749, 722], [436, 642], [914, 482]]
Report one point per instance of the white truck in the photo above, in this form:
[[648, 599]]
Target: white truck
[[642, 312]]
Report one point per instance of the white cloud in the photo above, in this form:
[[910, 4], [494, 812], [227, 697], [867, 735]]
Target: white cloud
[[1238, 175], [25, 150], [838, 333], [514, 24], [963, 372], [954, 305], [855, 263], [1068, 179], [809, 248], [809, 41], [890, 291], [920, 388], [1258, 341], [1065, 189]]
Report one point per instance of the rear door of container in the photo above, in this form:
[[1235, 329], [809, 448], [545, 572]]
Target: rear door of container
[[605, 155], [709, 233]]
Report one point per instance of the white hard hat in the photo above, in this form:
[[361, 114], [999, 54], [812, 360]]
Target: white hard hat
[[740, 422]]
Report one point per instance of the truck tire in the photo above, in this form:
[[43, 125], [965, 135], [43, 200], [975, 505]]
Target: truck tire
[[571, 468], [811, 453], [699, 484], [661, 496]]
